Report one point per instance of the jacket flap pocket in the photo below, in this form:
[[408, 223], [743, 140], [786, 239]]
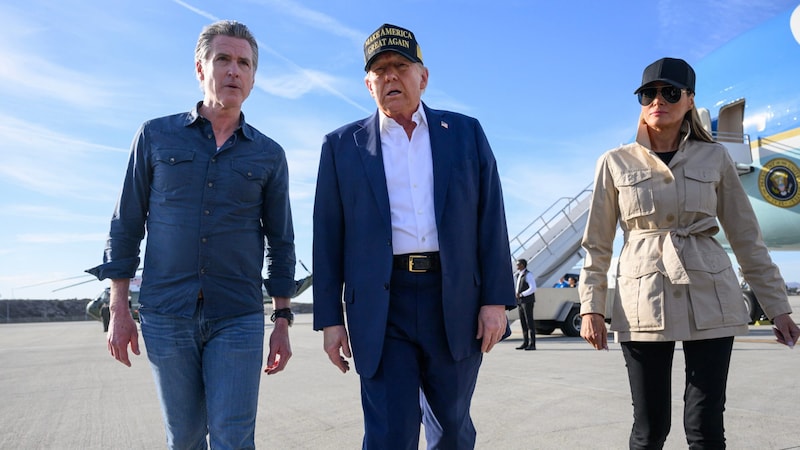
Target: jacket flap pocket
[[711, 262], [639, 267], [704, 175], [173, 155], [632, 177], [248, 171]]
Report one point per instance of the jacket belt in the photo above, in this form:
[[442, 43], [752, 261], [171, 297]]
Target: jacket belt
[[417, 262], [670, 253]]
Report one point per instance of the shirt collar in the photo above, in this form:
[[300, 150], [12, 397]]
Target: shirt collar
[[643, 139], [387, 123], [194, 117]]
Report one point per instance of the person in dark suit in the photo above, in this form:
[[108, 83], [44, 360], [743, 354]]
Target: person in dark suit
[[410, 231], [525, 287]]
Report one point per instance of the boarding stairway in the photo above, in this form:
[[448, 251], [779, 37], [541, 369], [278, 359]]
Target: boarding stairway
[[552, 242]]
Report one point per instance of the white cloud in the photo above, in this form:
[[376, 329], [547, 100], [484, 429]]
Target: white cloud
[[60, 238], [293, 86], [46, 80], [23, 134], [316, 19], [50, 213], [51, 163], [197, 11], [315, 79]]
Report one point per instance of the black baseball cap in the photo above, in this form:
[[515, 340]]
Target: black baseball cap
[[676, 72], [391, 38]]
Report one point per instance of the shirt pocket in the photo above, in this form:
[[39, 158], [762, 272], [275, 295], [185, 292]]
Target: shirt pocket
[[701, 190], [172, 169], [714, 291], [635, 193], [248, 181], [640, 286]]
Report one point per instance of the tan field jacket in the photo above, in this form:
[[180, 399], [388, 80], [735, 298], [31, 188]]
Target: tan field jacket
[[674, 280]]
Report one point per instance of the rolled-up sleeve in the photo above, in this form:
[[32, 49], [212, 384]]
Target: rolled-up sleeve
[[121, 254]]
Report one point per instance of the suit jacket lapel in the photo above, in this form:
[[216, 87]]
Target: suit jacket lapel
[[368, 143], [441, 141]]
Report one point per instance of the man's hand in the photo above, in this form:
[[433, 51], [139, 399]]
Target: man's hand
[[122, 332], [280, 349], [336, 344], [121, 326], [492, 323]]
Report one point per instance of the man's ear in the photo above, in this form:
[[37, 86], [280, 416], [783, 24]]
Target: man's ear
[[369, 87], [423, 79], [198, 68]]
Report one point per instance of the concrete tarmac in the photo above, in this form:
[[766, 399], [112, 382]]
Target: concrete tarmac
[[59, 389]]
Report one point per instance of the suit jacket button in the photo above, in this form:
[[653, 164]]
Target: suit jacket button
[[386, 286]]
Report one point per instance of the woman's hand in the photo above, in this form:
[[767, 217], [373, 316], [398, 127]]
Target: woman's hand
[[786, 330], [593, 330]]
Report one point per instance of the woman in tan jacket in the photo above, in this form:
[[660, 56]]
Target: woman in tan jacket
[[675, 282]]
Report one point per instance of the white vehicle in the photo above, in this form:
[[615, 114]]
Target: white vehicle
[[558, 308], [555, 308]]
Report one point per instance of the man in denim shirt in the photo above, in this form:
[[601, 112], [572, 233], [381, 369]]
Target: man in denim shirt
[[208, 188]]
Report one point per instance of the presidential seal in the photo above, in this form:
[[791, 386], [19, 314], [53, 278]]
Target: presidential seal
[[778, 183]]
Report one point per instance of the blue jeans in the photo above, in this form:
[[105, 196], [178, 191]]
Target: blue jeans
[[207, 375]]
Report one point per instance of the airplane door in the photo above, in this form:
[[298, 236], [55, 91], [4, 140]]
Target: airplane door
[[730, 132]]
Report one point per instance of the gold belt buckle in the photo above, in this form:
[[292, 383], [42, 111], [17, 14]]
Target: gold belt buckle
[[412, 258]]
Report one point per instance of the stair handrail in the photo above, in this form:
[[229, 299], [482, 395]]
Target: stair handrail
[[547, 224]]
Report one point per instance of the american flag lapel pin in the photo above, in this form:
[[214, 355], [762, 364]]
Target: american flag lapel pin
[[444, 124]]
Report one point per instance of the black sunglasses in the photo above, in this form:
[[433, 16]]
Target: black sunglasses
[[670, 93]]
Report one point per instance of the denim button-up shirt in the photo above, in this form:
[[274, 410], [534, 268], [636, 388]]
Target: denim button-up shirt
[[207, 212]]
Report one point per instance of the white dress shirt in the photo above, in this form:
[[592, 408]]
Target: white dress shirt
[[531, 283], [408, 166]]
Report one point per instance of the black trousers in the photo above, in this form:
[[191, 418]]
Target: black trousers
[[526, 321], [650, 375]]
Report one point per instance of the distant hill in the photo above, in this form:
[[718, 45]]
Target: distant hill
[[43, 310], [32, 310]]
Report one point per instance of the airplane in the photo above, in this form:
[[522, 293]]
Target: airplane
[[757, 106], [752, 106]]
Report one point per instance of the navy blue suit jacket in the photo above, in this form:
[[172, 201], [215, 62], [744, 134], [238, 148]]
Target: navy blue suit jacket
[[352, 247]]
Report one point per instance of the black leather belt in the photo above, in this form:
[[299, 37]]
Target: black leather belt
[[418, 262]]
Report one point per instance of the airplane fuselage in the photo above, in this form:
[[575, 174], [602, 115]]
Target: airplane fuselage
[[750, 88]]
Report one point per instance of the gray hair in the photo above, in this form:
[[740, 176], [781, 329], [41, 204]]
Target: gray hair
[[230, 28]]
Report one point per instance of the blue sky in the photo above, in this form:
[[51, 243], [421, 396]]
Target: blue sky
[[551, 83]]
